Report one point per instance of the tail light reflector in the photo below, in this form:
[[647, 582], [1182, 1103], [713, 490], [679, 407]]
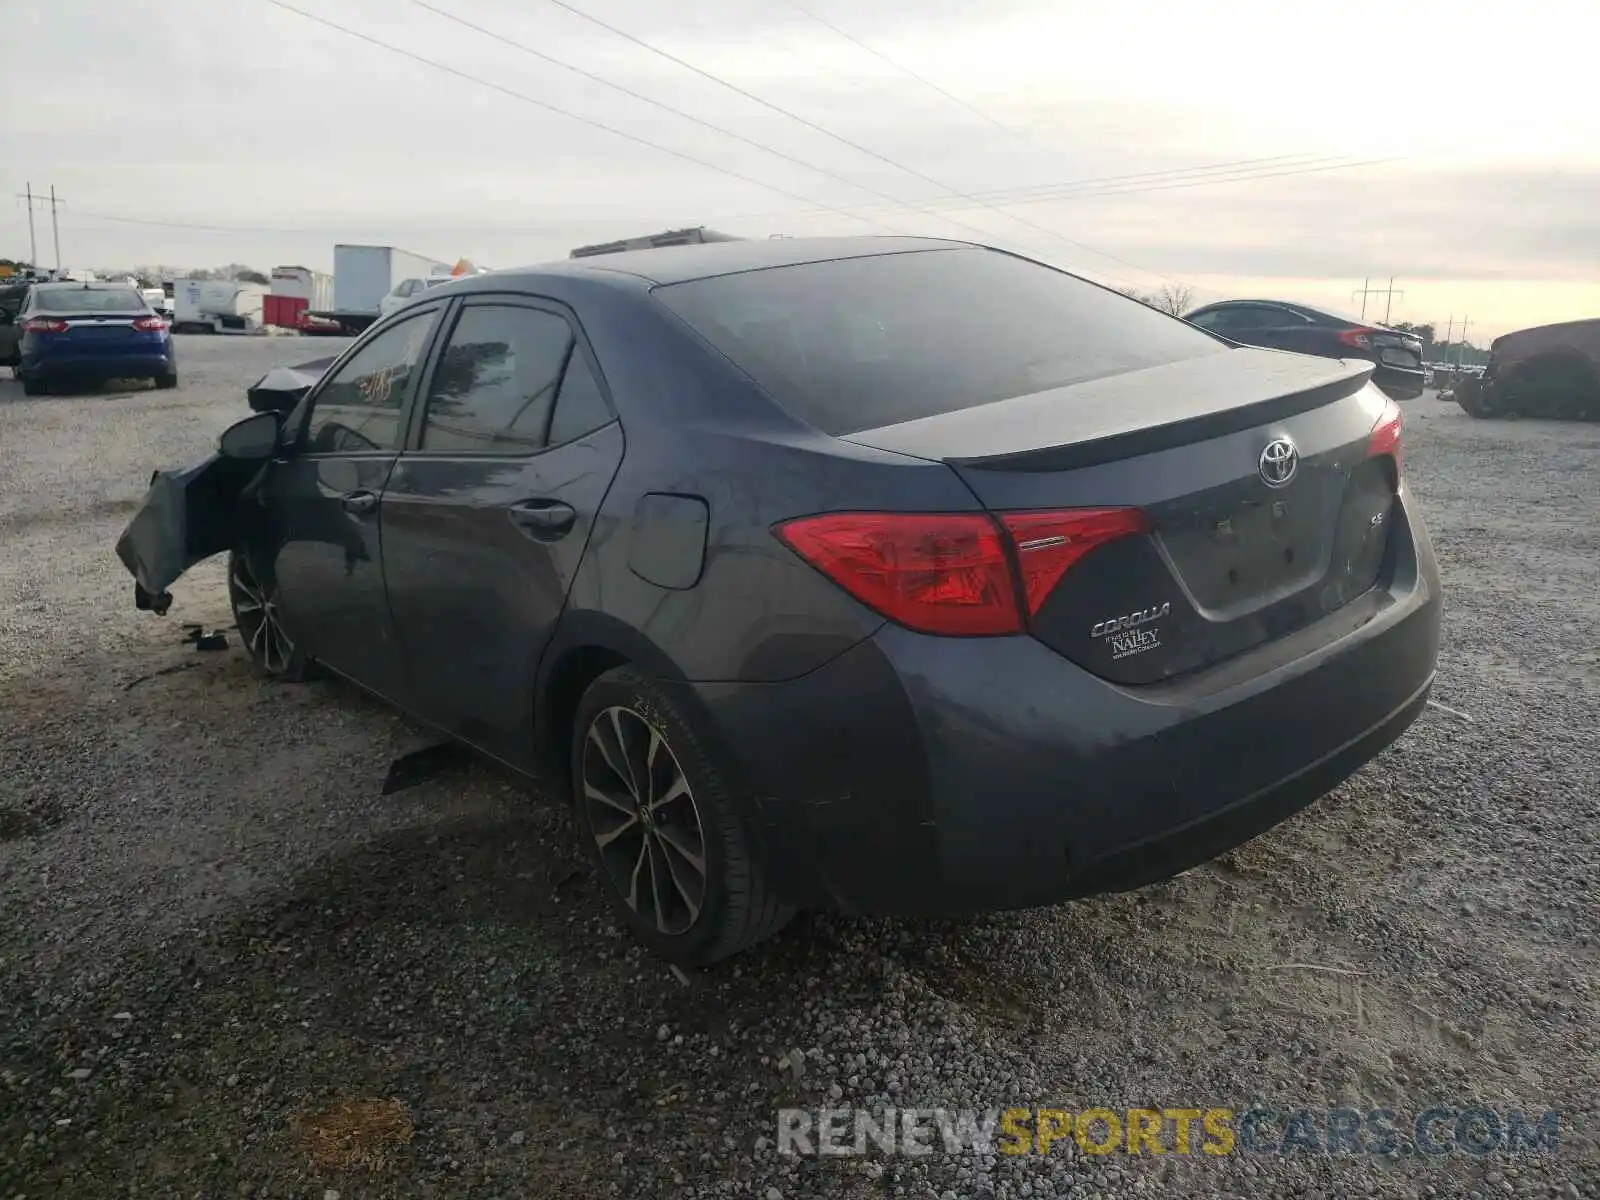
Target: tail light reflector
[[1385, 436], [149, 324], [954, 574], [1360, 339], [44, 325], [1049, 543]]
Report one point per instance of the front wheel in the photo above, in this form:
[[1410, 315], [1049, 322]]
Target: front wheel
[[666, 838], [34, 387], [254, 598]]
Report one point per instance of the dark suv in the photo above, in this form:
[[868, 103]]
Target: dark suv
[[1279, 325], [1546, 371]]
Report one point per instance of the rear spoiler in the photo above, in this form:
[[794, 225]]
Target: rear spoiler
[[1126, 415]]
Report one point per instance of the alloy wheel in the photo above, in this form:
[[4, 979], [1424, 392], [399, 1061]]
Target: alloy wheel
[[642, 815], [255, 610]]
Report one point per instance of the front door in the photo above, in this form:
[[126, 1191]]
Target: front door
[[486, 520], [324, 505]]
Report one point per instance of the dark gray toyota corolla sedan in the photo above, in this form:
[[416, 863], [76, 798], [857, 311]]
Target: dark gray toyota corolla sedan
[[895, 575]]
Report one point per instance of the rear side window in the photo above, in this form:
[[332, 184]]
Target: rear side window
[[580, 408], [496, 382], [857, 343], [87, 300]]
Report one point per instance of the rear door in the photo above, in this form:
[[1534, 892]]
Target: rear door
[[323, 499], [487, 514]]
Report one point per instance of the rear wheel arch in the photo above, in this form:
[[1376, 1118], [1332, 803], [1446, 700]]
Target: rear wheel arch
[[586, 645]]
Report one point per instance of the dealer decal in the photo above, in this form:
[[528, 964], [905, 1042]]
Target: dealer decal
[[1132, 633]]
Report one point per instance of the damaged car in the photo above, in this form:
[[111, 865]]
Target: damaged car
[[988, 589], [1546, 371]]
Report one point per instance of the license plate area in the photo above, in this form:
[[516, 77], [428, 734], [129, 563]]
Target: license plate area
[[1234, 558], [1400, 358], [100, 333]]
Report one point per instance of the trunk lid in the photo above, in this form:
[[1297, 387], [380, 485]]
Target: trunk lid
[[1265, 510]]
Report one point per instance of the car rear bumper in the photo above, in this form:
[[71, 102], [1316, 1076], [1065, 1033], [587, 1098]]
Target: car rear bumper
[[921, 775], [130, 365], [1399, 383]]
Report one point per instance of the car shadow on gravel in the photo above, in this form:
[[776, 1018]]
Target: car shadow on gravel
[[466, 969]]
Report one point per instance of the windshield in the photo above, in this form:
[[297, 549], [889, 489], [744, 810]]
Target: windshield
[[87, 300], [858, 343]]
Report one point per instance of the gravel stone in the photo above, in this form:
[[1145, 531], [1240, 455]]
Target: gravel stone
[[184, 841]]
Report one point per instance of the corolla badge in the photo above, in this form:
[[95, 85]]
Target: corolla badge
[[1279, 461]]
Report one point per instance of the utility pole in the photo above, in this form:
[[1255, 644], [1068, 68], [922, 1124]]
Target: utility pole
[[1367, 290], [1388, 295], [55, 229], [33, 242]]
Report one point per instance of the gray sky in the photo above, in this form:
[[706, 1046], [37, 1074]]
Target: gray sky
[[289, 136]]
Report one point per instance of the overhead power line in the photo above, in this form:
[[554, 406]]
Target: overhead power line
[[919, 206], [905, 70], [650, 100], [842, 140], [557, 109], [1090, 189]]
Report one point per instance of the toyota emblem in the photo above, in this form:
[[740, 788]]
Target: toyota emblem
[[1279, 461]]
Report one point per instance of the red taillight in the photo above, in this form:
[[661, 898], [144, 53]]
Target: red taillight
[[952, 573], [1385, 436], [1048, 543], [43, 325], [1360, 339], [149, 324], [935, 573]]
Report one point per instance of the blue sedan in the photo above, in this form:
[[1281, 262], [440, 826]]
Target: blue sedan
[[87, 333]]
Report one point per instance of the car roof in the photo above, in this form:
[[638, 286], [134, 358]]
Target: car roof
[[93, 285], [679, 264], [1311, 310]]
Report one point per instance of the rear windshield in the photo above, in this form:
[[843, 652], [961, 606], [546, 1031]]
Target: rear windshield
[[856, 343], [85, 300]]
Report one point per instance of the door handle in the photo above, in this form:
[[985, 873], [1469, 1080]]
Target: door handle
[[544, 520], [360, 503]]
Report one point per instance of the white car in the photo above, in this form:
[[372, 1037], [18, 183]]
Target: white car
[[408, 290]]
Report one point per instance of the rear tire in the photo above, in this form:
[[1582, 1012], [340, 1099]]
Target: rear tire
[[253, 596], [34, 387], [666, 838], [165, 382]]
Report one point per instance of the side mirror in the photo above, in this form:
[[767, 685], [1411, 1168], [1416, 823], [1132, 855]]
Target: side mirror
[[253, 438]]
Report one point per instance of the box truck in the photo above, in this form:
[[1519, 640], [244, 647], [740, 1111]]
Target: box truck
[[363, 276]]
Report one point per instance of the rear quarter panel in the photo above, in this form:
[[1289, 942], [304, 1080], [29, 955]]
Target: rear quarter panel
[[695, 426]]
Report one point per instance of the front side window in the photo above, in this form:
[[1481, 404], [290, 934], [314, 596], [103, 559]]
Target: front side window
[[495, 385], [359, 408]]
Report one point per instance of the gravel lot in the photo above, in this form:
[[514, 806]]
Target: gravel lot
[[221, 946]]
